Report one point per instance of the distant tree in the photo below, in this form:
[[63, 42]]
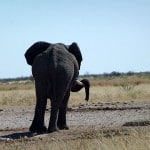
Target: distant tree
[[116, 74], [130, 73]]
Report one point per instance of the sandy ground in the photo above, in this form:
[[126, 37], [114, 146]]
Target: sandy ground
[[108, 115]]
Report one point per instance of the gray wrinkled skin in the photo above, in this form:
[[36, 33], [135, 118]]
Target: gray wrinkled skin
[[55, 71]]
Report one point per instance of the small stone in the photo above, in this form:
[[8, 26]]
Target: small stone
[[53, 139]]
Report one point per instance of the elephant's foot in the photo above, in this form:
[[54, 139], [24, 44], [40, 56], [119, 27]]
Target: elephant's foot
[[38, 129], [63, 127], [52, 129]]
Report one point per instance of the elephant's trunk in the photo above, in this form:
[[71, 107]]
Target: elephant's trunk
[[78, 85], [86, 84]]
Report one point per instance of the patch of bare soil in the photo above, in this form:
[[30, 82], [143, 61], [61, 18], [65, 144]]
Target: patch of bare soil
[[14, 122]]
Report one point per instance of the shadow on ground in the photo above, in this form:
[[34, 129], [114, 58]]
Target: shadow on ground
[[18, 135], [137, 123]]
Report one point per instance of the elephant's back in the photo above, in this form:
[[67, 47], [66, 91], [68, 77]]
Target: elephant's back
[[55, 60], [60, 59]]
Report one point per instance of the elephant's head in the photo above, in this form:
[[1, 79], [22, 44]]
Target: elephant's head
[[78, 85], [75, 50]]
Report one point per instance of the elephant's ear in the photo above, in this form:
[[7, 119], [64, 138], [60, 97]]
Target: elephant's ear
[[75, 50], [34, 50]]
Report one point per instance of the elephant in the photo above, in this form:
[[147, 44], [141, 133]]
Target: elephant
[[55, 69]]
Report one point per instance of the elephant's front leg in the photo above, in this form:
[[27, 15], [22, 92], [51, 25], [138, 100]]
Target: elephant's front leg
[[38, 121], [62, 123]]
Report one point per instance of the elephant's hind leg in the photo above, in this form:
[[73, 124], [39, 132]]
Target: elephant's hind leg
[[56, 103], [38, 121], [53, 118], [62, 123]]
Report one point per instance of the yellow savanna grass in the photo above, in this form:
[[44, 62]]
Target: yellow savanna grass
[[101, 91]]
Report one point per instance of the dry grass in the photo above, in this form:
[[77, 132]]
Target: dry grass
[[110, 94], [98, 94], [16, 85], [119, 81], [120, 139], [17, 98], [102, 91]]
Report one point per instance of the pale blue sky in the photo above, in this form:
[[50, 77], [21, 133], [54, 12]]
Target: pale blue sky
[[113, 35]]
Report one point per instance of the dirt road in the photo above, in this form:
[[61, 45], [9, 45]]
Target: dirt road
[[108, 115]]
